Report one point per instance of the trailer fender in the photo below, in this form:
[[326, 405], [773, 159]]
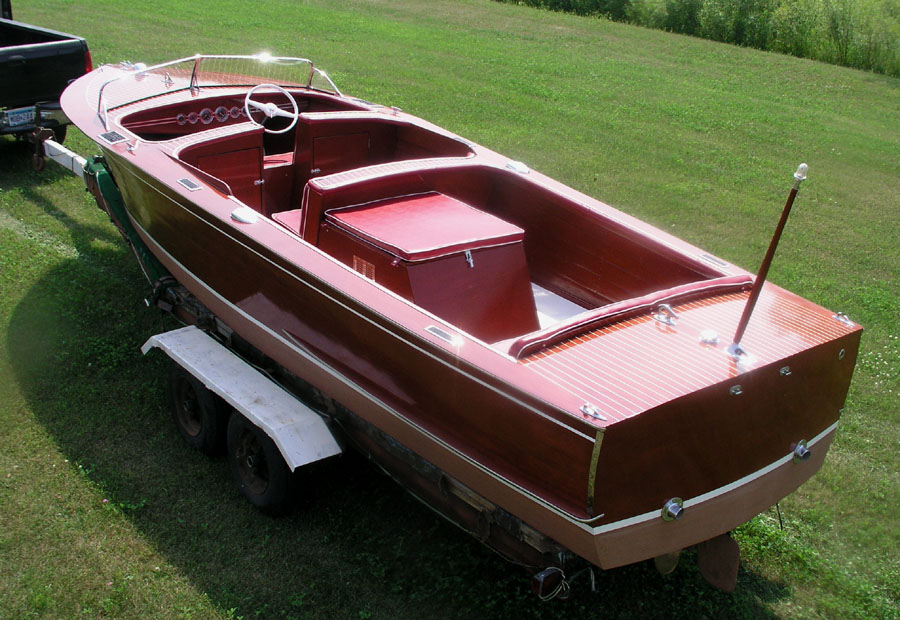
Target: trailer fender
[[301, 434]]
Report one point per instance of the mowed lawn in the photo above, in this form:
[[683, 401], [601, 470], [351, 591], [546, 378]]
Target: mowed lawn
[[104, 513]]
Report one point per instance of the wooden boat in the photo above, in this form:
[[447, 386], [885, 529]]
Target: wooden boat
[[551, 373]]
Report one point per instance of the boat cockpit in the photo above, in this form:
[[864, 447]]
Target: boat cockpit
[[483, 247]]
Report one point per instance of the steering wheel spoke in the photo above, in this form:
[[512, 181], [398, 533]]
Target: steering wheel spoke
[[276, 111], [256, 104]]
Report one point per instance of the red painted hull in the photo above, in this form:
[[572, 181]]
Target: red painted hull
[[504, 416]]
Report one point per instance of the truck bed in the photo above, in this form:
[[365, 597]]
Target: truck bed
[[36, 65]]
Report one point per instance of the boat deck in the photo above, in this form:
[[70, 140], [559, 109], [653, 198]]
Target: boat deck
[[650, 363]]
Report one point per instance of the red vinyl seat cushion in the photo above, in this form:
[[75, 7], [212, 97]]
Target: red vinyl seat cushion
[[289, 219], [423, 226]]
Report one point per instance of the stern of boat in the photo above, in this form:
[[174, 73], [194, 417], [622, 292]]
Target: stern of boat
[[704, 464], [691, 441]]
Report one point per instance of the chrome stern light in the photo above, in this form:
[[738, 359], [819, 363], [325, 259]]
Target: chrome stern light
[[802, 451], [673, 509]]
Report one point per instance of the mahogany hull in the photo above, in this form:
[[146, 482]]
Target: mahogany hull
[[506, 444], [584, 434]]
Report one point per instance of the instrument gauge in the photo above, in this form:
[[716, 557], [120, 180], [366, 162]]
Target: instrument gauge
[[236, 112], [206, 115], [193, 118], [221, 114], [181, 119]]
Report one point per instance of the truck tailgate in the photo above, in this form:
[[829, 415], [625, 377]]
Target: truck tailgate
[[36, 64]]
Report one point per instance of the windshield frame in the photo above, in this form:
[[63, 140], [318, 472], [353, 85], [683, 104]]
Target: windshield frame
[[194, 74]]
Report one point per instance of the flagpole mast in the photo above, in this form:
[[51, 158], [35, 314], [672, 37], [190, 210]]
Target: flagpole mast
[[735, 349]]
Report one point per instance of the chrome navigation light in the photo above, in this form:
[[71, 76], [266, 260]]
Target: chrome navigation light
[[801, 451], [673, 509]]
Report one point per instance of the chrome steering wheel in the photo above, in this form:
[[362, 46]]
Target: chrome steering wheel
[[270, 109]]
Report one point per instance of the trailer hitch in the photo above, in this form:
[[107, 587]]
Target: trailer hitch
[[37, 138]]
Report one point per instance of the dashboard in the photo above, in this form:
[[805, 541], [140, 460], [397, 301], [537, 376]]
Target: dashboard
[[166, 122]]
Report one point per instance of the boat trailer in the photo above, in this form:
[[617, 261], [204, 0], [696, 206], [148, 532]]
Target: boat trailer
[[208, 378]]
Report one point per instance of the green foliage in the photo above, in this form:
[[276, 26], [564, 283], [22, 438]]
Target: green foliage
[[840, 24], [683, 16], [793, 27], [741, 22], [614, 9], [864, 34]]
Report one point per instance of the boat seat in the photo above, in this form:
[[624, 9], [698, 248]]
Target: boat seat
[[423, 226], [289, 219], [458, 262]]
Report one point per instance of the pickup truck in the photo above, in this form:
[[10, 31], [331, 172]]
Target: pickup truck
[[36, 65]]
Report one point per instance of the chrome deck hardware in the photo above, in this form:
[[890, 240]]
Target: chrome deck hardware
[[665, 314]]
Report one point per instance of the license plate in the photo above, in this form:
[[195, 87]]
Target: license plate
[[22, 116]]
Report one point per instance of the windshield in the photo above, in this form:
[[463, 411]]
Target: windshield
[[199, 72]]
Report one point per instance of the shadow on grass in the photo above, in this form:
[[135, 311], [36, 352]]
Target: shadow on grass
[[358, 546]]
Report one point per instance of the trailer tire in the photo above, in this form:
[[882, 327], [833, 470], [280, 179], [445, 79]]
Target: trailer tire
[[259, 470], [197, 411], [59, 133]]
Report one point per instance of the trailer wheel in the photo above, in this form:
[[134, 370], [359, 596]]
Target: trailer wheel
[[258, 468], [196, 410]]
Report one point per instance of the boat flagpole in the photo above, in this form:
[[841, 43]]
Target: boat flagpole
[[735, 348]]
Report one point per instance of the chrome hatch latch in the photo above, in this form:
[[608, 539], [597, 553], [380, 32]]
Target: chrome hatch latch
[[665, 315]]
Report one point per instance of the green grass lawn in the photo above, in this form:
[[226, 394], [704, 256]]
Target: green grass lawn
[[104, 513]]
